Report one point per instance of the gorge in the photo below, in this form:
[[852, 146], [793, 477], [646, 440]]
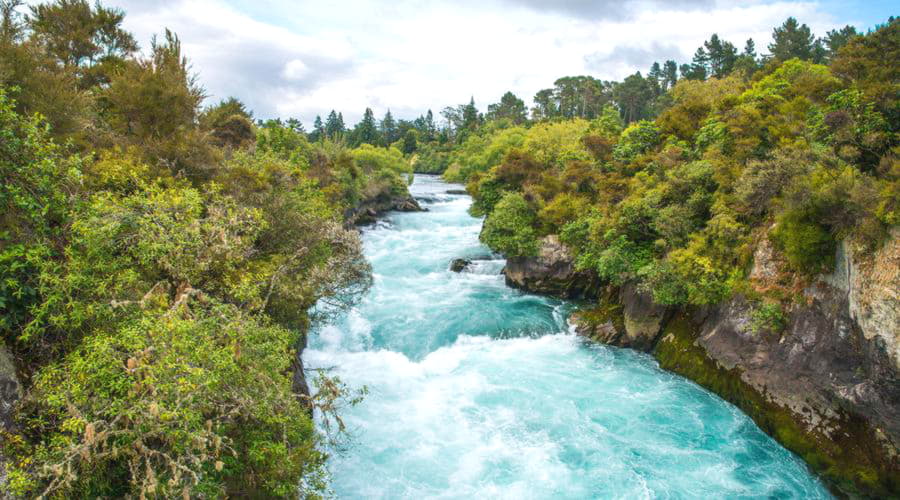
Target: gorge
[[480, 390]]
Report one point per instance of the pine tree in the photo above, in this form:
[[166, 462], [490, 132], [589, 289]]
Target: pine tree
[[720, 55], [670, 74], [470, 116], [835, 39], [366, 131], [318, 130], [697, 70], [750, 49], [792, 39], [430, 127], [655, 77], [334, 125], [389, 132]]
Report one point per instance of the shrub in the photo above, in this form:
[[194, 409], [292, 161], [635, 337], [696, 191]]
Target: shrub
[[509, 228]]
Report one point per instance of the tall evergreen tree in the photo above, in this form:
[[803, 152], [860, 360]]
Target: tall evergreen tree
[[470, 116], [389, 131], [334, 125], [750, 49], [430, 129], [721, 56], [655, 75], [544, 105], [366, 131], [792, 39], [697, 70], [835, 39], [318, 130], [670, 74]]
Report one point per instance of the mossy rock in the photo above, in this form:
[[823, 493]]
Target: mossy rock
[[853, 463]]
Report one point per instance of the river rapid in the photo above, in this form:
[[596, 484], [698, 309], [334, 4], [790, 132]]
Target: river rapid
[[477, 390]]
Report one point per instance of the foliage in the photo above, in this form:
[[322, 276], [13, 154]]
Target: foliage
[[155, 287], [672, 204], [509, 229]]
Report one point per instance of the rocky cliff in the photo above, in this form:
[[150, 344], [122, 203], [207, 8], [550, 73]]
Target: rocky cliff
[[827, 385]]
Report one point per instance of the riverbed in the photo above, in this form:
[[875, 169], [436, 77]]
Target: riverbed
[[477, 390]]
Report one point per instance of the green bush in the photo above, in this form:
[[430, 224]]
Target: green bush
[[808, 245], [509, 228]]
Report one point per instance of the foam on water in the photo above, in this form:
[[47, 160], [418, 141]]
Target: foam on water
[[478, 390]]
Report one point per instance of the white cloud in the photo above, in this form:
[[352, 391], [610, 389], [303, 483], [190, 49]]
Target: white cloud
[[286, 58]]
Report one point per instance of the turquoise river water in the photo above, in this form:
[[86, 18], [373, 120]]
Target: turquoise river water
[[477, 390]]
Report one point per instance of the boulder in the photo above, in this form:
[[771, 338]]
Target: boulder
[[407, 205], [643, 318], [551, 272], [459, 265]]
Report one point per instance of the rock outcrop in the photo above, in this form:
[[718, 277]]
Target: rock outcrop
[[368, 211], [626, 318], [552, 272], [827, 387], [459, 265]]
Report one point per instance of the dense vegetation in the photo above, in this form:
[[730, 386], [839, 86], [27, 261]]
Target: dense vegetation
[[160, 262], [159, 265], [672, 182]]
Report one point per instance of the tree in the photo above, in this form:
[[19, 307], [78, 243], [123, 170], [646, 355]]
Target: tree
[[721, 56], [81, 36], [835, 39], [409, 142], [508, 229], [792, 40], [544, 105], [509, 108], [366, 131], [426, 127], [389, 131], [633, 96], [154, 98], [471, 119], [296, 125], [334, 125], [697, 70], [669, 74], [318, 130], [229, 123], [749, 49], [746, 62]]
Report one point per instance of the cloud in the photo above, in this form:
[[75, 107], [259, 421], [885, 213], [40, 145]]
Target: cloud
[[622, 60], [301, 59], [608, 9]]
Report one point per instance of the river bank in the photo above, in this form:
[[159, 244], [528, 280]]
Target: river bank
[[825, 385]]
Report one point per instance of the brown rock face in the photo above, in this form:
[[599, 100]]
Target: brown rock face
[[552, 272], [644, 319], [628, 318], [827, 386]]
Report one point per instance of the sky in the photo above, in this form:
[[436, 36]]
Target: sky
[[300, 59]]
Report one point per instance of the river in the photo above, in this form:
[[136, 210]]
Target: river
[[480, 391]]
